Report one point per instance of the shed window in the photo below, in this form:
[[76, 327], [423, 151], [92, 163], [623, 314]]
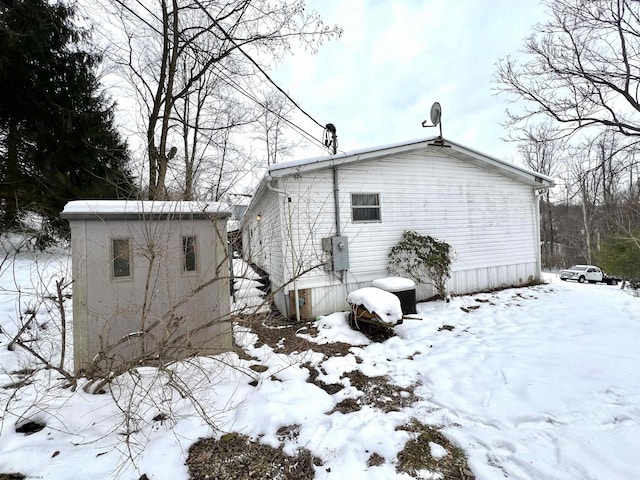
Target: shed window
[[189, 254], [120, 257], [365, 207]]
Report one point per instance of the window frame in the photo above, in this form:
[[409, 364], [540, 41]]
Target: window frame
[[377, 207], [113, 259], [183, 255]]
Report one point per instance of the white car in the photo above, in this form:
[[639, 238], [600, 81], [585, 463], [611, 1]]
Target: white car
[[587, 273]]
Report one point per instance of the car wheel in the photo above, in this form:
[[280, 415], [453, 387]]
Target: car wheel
[[614, 282], [581, 279]]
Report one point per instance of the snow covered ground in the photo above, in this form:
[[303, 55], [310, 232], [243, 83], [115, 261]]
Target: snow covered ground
[[533, 383]]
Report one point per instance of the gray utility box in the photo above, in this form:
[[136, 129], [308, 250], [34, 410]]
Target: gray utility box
[[338, 247]]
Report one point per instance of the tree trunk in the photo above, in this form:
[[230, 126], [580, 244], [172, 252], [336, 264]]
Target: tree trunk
[[585, 220], [11, 179]]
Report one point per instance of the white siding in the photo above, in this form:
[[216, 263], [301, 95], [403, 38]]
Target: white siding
[[312, 219], [487, 218], [265, 236]]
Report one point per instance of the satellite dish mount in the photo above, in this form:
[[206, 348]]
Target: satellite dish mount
[[436, 117], [330, 139]]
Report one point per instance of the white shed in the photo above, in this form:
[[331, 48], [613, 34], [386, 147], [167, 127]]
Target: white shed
[[323, 227], [150, 281]]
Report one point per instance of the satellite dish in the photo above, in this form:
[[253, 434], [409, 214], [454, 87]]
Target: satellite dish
[[436, 117], [436, 113]]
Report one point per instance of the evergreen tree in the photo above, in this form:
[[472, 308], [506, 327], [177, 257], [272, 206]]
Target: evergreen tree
[[58, 139], [620, 255]]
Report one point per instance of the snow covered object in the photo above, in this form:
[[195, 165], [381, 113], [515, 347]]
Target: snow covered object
[[384, 305], [403, 288]]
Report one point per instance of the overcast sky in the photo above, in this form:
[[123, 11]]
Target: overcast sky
[[377, 83]]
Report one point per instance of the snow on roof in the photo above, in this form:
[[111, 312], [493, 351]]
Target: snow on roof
[[386, 305], [342, 154], [85, 209], [451, 148]]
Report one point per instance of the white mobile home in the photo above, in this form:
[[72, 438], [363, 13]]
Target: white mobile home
[[323, 227], [150, 281]]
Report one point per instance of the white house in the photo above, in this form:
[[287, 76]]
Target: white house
[[150, 281], [323, 227]]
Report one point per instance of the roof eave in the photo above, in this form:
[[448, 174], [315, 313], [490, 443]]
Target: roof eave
[[524, 175]]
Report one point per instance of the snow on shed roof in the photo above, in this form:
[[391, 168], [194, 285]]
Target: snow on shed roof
[[141, 209], [434, 144]]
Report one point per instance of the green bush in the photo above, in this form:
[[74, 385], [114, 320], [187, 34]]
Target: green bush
[[423, 258]]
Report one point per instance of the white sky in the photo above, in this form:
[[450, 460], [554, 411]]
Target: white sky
[[377, 83]]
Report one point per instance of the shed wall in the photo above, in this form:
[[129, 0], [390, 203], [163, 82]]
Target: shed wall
[[107, 310]]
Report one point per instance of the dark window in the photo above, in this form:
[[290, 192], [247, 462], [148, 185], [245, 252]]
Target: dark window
[[365, 207], [189, 259], [121, 257]]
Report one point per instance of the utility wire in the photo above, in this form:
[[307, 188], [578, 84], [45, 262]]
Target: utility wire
[[266, 75], [232, 83]]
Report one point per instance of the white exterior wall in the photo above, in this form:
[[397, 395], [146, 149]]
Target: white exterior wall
[[107, 309], [264, 240], [265, 233], [489, 220]]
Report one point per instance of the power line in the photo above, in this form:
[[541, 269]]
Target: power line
[[232, 83], [266, 75]]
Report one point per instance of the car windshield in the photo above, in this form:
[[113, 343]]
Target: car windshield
[[578, 267]]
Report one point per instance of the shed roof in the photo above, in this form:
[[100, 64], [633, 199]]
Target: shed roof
[[141, 210]]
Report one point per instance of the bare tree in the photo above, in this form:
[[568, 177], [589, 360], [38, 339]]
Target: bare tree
[[582, 67], [208, 115], [595, 179], [213, 40], [581, 70], [542, 150], [273, 117]]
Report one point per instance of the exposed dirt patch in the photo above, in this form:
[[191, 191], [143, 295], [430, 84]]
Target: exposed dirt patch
[[417, 454], [236, 457], [375, 460], [29, 427], [379, 393], [283, 336], [330, 388], [348, 405]]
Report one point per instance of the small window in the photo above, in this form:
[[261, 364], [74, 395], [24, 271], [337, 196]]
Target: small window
[[365, 207], [189, 258], [120, 258]]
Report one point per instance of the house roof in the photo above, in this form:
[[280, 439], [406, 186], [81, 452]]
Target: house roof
[[435, 145], [432, 144], [141, 209]]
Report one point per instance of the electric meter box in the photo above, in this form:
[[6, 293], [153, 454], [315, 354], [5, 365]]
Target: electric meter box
[[338, 247]]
